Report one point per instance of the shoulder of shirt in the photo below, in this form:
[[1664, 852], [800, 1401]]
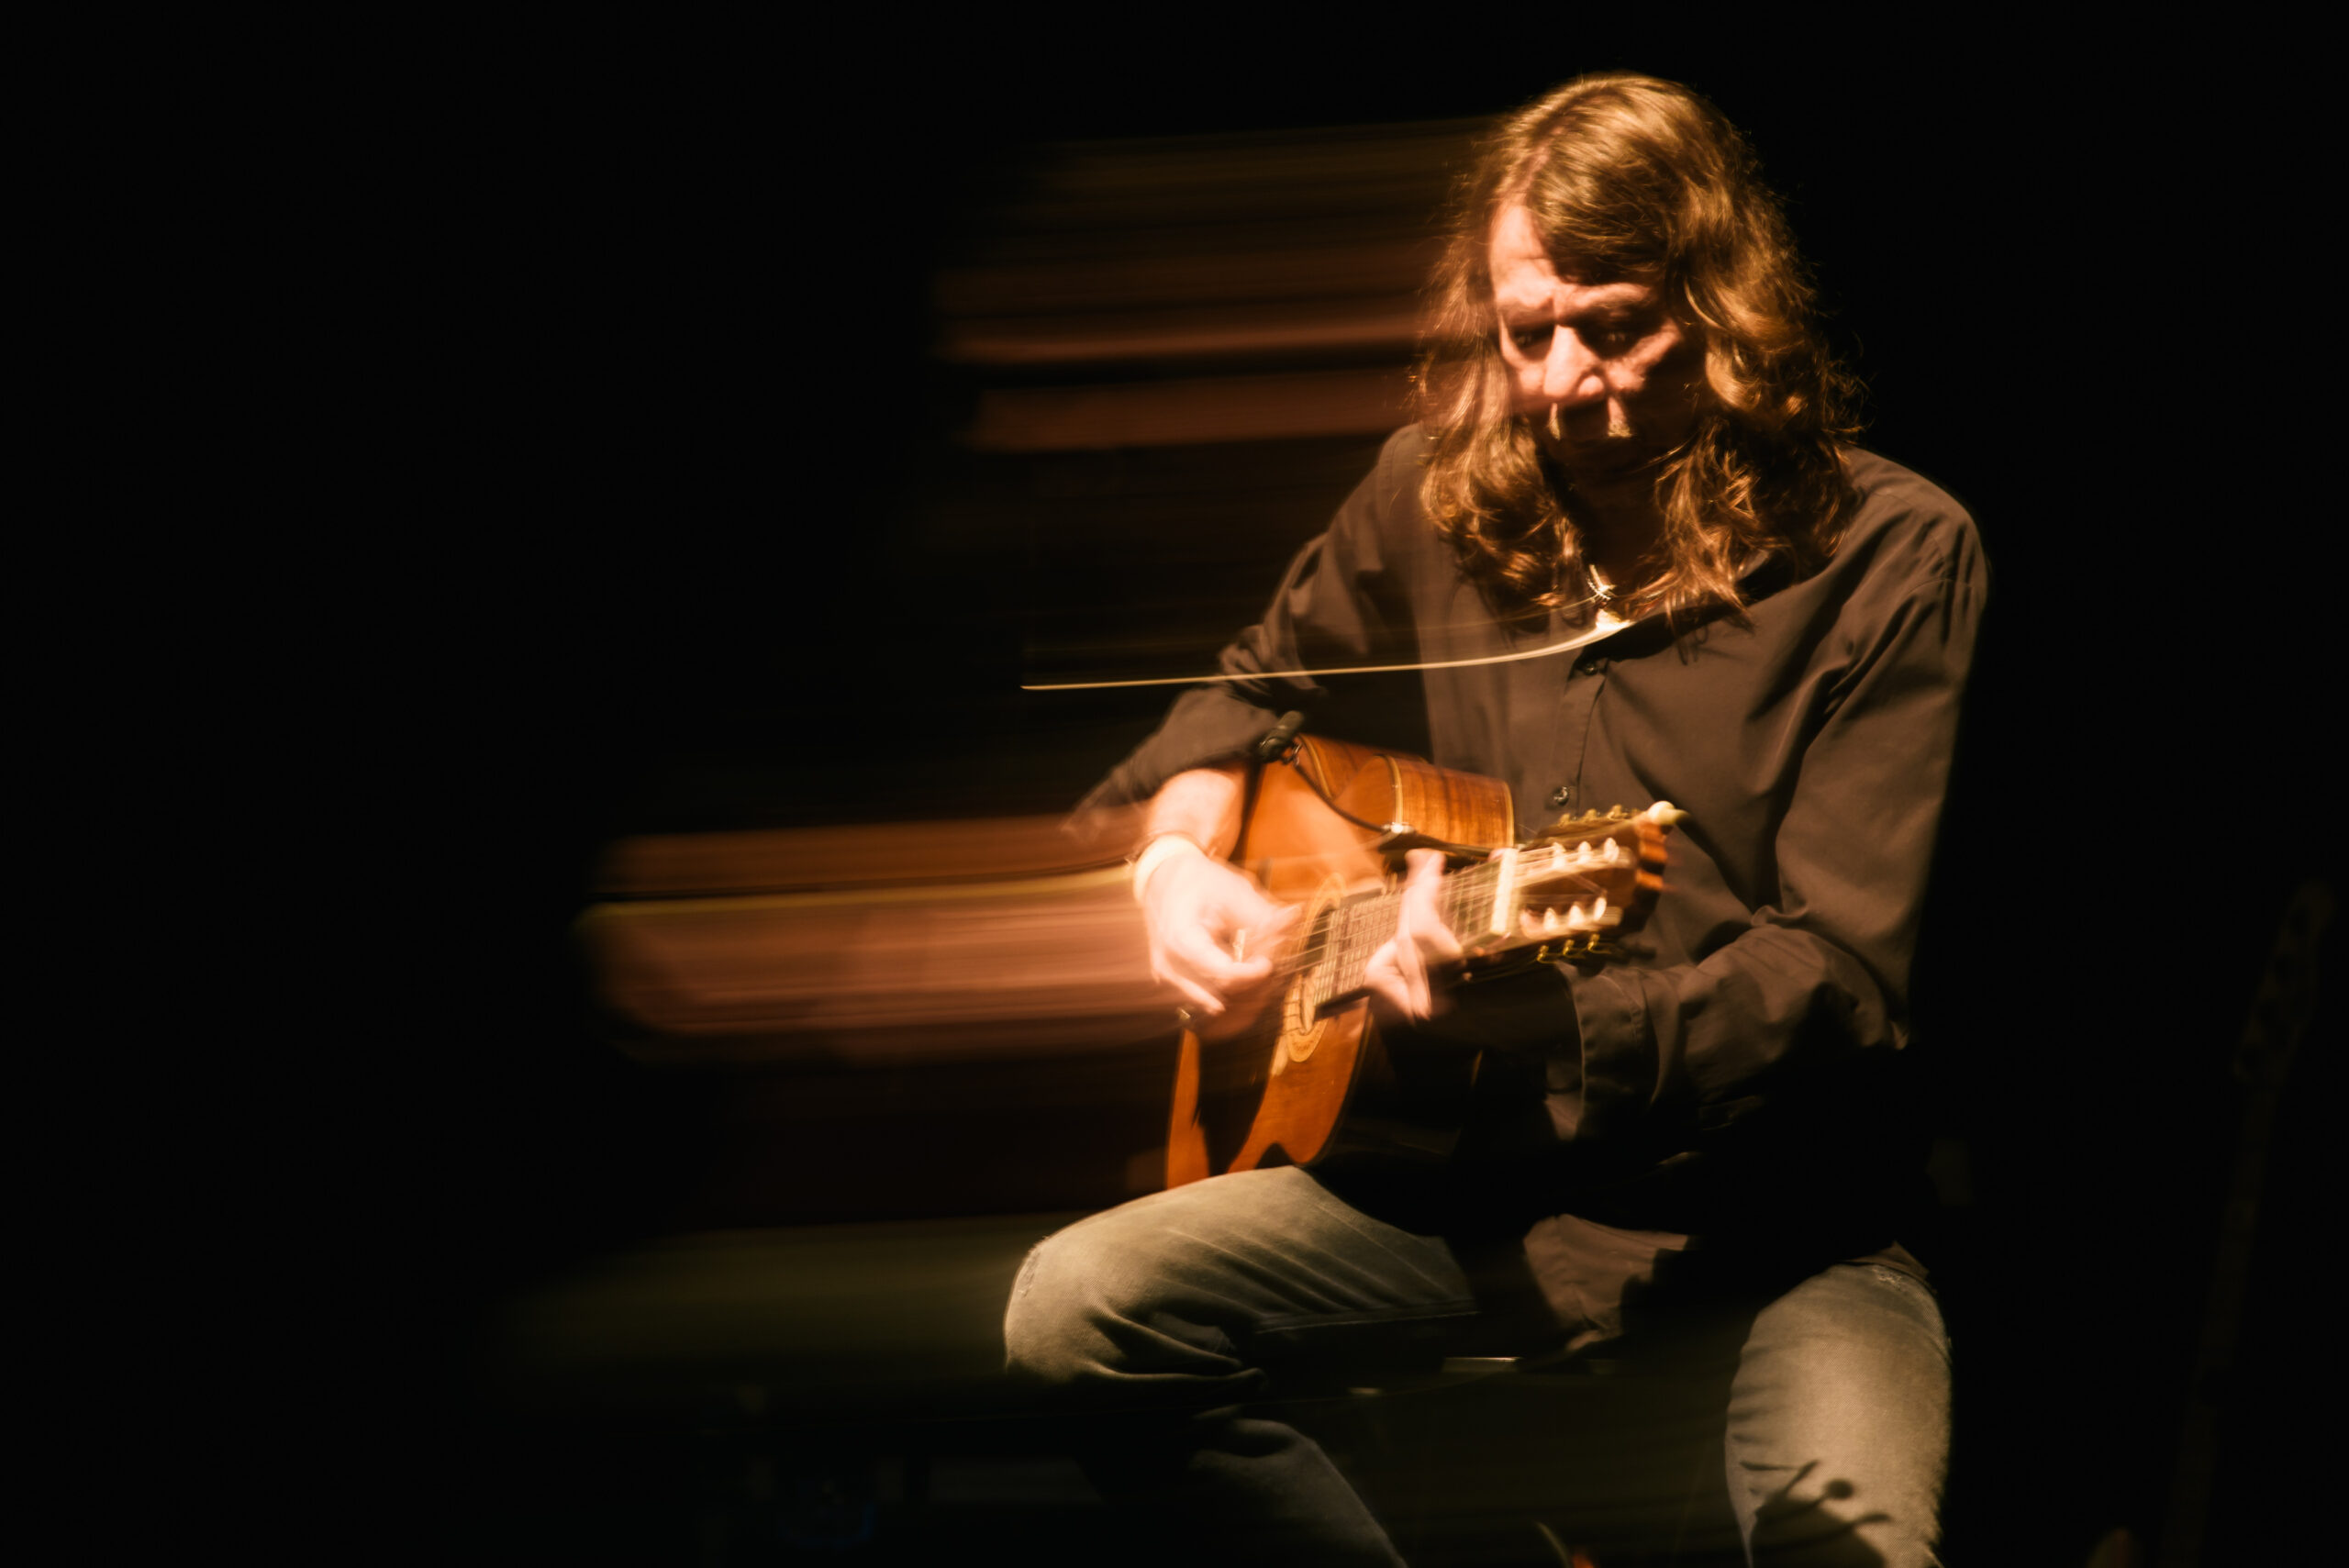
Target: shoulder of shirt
[[1904, 516], [1401, 460], [1383, 515], [1406, 449]]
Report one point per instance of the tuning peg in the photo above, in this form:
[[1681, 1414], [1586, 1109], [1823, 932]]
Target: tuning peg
[[1616, 814], [1664, 813]]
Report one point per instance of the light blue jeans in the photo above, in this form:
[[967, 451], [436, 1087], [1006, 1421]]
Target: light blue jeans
[[1830, 1403]]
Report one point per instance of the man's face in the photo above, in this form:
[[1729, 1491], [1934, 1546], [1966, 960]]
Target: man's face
[[1620, 372]]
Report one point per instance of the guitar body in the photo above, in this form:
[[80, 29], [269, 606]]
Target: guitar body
[[1281, 1093]]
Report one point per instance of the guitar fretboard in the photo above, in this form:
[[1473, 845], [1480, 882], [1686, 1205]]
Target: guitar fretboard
[[1338, 950], [1520, 898]]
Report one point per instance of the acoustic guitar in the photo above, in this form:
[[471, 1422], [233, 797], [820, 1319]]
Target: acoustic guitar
[[1325, 825]]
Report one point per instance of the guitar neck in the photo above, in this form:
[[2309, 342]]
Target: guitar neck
[[1513, 900], [1339, 950]]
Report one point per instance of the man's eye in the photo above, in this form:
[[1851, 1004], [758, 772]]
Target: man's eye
[[1530, 338]]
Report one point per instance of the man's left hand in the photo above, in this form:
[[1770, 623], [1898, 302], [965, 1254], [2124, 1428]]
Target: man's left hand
[[1402, 975]]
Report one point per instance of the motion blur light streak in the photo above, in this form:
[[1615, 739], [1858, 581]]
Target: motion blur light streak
[[1287, 327], [677, 865], [1298, 255], [1190, 413], [872, 967]]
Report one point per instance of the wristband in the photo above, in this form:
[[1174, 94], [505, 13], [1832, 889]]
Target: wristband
[[1156, 851]]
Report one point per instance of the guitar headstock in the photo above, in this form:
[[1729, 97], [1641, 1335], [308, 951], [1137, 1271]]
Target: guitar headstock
[[1581, 883]]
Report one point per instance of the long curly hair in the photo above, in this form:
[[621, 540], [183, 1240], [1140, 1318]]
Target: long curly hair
[[1630, 176]]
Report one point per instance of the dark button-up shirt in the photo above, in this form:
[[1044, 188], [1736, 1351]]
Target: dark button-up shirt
[[1734, 1080]]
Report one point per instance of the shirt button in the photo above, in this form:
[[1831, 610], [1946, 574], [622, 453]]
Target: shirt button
[[1562, 796]]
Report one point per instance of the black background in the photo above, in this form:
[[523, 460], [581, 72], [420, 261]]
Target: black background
[[613, 417]]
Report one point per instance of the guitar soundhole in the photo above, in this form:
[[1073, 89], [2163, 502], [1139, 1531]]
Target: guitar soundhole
[[1299, 1035], [1301, 1020]]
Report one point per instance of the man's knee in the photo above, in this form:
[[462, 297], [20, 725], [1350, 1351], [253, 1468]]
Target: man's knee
[[1050, 1329], [1100, 1300], [1170, 1286], [1840, 1415]]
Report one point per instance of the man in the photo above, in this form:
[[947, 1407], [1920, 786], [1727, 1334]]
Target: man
[[1633, 558]]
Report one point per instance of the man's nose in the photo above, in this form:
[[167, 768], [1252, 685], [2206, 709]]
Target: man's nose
[[1570, 376]]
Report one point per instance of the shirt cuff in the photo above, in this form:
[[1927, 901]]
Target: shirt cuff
[[1162, 847], [1616, 1067]]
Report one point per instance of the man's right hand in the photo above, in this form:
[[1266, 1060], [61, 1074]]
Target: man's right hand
[[1216, 939]]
